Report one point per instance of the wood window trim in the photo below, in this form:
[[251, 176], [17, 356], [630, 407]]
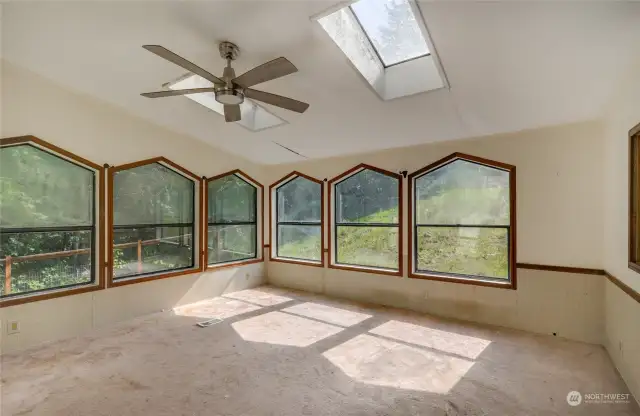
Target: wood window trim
[[634, 197], [272, 248], [330, 231], [110, 281], [259, 232], [100, 282], [477, 281]]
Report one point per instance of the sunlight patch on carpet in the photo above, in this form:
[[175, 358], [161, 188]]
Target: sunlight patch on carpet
[[283, 329], [215, 308], [372, 360], [329, 314], [445, 341]]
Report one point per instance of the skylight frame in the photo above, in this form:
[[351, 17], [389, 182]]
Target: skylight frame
[[419, 22], [425, 72], [283, 122]]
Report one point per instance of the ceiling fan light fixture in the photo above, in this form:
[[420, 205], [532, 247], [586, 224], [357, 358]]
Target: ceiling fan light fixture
[[229, 96]]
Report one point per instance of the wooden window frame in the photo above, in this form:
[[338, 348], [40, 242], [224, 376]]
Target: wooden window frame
[[98, 238], [198, 182], [634, 197], [332, 222], [471, 280], [259, 223], [273, 221]]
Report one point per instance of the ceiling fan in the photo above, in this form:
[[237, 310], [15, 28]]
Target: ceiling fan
[[230, 90]]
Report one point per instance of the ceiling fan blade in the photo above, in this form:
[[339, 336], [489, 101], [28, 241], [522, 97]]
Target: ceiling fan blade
[[277, 100], [180, 61], [232, 113], [277, 68], [171, 93]]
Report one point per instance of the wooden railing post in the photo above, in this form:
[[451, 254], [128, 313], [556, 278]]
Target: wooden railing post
[[139, 256], [7, 275]]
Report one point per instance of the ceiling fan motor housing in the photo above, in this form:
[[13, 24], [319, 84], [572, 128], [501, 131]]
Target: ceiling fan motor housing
[[229, 96]]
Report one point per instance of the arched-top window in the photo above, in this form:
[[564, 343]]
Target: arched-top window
[[463, 221], [232, 211], [48, 231], [366, 208], [297, 218], [154, 211]]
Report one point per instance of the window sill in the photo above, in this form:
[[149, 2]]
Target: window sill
[[365, 269], [213, 267], [133, 280], [634, 266], [297, 261], [53, 294], [466, 281]]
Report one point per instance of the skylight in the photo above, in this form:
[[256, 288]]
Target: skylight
[[392, 28], [388, 43], [254, 116]]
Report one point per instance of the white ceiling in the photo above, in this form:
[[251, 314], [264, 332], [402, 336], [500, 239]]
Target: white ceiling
[[511, 66]]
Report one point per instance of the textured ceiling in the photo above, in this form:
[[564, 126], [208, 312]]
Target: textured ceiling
[[511, 66]]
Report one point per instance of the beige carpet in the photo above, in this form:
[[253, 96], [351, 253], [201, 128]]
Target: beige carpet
[[288, 353]]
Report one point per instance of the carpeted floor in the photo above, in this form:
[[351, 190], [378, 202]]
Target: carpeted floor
[[286, 353]]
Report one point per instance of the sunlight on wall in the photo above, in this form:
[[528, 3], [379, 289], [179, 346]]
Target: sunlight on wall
[[215, 308], [329, 314], [283, 329], [445, 341], [262, 297], [380, 362]]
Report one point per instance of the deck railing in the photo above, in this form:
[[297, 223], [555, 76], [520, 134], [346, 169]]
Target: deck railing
[[10, 260]]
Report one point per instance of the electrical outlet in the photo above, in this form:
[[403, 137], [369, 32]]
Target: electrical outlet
[[246, 276], [620, 348], [13, 327]]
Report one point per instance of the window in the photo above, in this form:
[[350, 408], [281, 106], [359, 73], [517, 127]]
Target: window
[[232, 209], [298, 210], [634, 198], [391, 27], [388, 43], [366, 213], [48, 235], [154, 227], [463, 221]]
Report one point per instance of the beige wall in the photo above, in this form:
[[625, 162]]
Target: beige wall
[[569, 214], [105, 134], [559, 191], [622, 313]]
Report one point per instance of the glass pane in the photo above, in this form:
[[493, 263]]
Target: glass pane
[[38, 189], [463, 193], [367, 197], [392, 28], [69, 264], [300, 242], [464, 250], [299, 200], [231, 199], [347, 33], [367, 246], [140, 251], [231, 243], [152, 194]]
